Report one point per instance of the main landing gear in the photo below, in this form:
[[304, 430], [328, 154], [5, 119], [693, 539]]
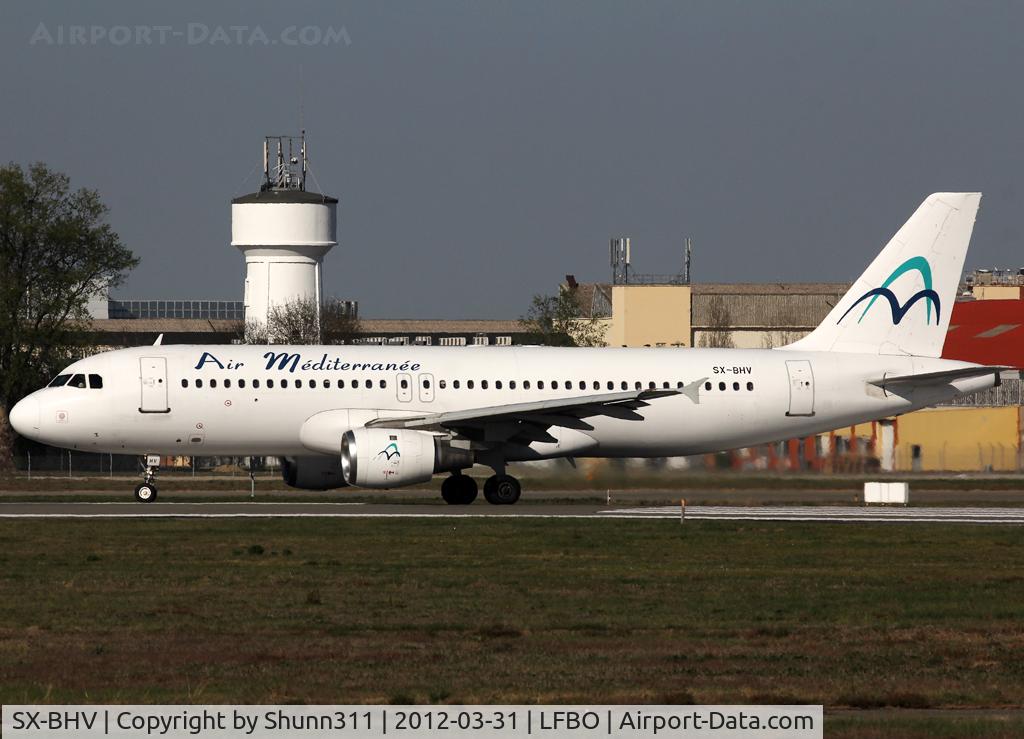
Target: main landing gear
[[461, 489], [145, 492]]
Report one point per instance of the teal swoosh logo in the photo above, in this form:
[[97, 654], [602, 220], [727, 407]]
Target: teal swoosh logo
[[922, 266]]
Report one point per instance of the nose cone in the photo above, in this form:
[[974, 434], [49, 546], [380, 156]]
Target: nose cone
[[25, 416]]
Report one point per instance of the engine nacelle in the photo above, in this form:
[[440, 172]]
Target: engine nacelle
[[391, 458], [312, 473]]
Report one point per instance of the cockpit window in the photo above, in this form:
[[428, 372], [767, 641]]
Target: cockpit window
[[77, 381], [95, 382], [59, 381]]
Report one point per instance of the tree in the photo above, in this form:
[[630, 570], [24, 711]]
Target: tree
[[719, 325], [557, 320], [56, 251], [297, 322]]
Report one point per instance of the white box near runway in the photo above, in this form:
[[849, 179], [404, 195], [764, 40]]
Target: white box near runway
[[887, 492]]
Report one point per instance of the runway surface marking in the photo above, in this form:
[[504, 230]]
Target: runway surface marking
[[830, 513], [837, 514]]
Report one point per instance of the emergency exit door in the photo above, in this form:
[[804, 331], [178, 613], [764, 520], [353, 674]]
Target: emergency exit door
[[801, 388], [153, 374]]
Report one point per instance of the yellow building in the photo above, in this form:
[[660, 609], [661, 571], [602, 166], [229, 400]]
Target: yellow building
[[649, 315]]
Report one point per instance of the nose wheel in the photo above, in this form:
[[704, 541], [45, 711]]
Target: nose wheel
[[145, 492]]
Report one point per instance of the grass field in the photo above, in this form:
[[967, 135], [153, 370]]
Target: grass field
[[505, 611]]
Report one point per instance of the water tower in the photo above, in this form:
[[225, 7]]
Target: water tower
[[284, 231]]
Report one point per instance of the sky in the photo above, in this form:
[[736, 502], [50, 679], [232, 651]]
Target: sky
[[481, 151]]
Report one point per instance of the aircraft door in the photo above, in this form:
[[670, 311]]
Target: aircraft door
[[426, 388], [801, 388], [404, 387], [153, 375]]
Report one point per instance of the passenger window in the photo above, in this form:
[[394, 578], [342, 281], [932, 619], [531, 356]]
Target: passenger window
[[554, 384], [298, 383], [213, 383], [624, 385], [469, 384], [750, 386], [680, 385], [256, 384], [526, 384], [443, 384], [184, 383], [540, 384], [227, 383], [483, 384], [284, 383], [312, 384], [341, 384], [611, 385], [327, 384], [707, 385], [426, 383], [270, 384], [199, 383], [651, 385], [77, 381], [735, 386], [512, 384], [95, 382], [664, 385], [59, 381], [404, 384], [721, 386], [638, 385], [583, 385], [241, 384], [455, 384], [497, 384], [355, 384], [383, 384]]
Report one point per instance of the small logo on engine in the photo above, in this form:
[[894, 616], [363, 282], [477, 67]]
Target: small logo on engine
[[390, 451]]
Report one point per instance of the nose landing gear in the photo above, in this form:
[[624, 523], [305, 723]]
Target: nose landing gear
[[145, 492]]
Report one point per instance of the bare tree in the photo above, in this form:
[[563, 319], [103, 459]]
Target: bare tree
[[719, 325], [297, 321]]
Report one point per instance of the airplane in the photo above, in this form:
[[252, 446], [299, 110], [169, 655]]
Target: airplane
[[384, 417]]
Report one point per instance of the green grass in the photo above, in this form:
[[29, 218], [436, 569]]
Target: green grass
[[507, 611]]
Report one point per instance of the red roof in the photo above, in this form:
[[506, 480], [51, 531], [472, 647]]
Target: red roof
[[987, 332]]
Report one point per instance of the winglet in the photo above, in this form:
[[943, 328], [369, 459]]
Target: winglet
[[159, 340]]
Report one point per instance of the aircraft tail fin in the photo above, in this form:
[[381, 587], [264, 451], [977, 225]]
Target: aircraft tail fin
[[903, 301]]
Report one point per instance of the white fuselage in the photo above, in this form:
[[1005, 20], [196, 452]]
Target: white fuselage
[[151, 400]]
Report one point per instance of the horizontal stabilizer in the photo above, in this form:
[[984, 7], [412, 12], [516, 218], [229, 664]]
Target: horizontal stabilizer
[[938, 378]]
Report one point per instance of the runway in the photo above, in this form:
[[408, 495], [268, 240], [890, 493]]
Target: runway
[[823, 514]]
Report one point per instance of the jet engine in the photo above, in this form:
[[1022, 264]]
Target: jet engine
[[390, 458], [312, 473]]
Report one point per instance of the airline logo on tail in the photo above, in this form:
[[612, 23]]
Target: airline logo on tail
[[898, 310]]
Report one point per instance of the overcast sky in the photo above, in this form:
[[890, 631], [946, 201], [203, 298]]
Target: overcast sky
[[481, 151]]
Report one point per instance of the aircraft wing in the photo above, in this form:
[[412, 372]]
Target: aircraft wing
[[938, 378], [527, 422]]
